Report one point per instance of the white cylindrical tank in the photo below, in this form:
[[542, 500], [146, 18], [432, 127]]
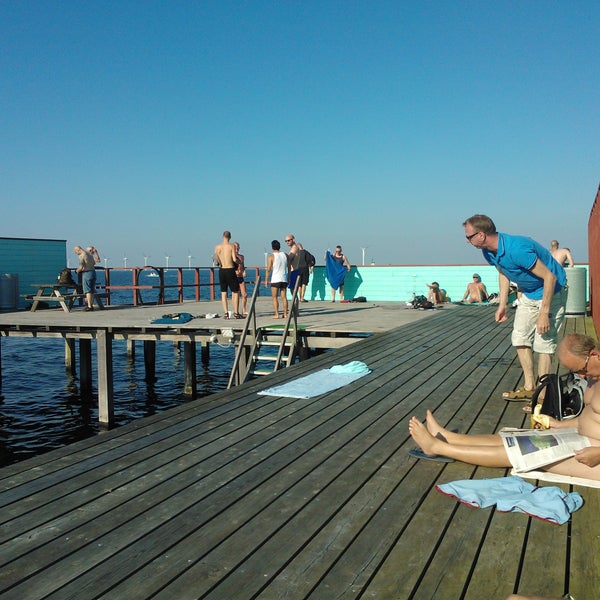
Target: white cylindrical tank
[[576, 297]]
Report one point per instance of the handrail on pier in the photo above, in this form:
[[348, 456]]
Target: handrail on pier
[[136, 286]]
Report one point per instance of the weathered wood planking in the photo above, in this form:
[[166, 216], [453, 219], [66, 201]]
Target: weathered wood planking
[[250, 496]]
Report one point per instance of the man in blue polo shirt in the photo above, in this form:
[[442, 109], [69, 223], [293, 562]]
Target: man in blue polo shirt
[[541, 309]]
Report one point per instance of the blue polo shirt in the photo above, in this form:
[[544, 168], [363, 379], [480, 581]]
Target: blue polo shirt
[[516, 256]]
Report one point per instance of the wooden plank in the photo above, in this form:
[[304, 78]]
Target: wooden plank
[[244, 495]]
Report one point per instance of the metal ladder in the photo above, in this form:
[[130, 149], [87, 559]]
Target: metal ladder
[[254, 338]]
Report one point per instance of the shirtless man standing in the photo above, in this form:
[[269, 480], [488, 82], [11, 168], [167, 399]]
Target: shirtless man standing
[[227, 277], [578, 353], [561, 255], [476, 291]]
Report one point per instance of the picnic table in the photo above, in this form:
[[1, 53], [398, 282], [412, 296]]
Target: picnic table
[[58, 293]]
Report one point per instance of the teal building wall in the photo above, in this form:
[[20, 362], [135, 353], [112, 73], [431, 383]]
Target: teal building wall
[[401, 282], [33, 260]]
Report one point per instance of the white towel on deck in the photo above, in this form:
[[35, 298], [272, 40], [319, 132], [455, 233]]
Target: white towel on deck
[[320, 382]]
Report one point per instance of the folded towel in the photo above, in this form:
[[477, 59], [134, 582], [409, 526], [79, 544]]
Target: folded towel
[[356, 366]]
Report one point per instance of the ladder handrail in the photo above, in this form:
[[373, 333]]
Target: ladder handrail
[[250, 319], [292, 313], [235, 375]]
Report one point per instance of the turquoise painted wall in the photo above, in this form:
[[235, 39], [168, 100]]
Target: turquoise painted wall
[[399, 283], [33, 260]]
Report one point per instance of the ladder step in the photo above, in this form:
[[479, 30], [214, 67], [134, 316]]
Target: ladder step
[[262, 372], [259, 357]]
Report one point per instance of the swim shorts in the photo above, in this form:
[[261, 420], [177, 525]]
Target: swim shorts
[[524, 328]]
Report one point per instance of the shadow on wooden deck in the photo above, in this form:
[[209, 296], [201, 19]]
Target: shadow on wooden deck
[[250, 496]]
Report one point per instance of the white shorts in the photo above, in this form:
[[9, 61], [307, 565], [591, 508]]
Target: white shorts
[[524, 328]]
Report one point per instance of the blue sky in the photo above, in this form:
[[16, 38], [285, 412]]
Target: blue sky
[[150, 127]]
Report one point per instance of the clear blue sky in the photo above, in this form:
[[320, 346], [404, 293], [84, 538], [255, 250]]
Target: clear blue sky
[[150, 127]]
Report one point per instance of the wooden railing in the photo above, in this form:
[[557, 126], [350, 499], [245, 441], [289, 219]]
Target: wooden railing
[[137, 286]]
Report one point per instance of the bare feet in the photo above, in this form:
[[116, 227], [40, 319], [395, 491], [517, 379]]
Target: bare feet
[[427, 442], [433, 426]]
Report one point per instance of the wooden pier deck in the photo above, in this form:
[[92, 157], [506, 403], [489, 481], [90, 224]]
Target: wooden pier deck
[[250, 496]]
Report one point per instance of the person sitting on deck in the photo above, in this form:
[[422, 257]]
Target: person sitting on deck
[[578, 353], [476, 291], [435, 295]]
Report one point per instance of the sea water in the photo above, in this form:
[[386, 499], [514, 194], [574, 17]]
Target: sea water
[[42, 407]]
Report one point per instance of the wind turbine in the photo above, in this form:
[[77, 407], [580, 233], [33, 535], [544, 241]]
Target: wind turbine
[[146, 257], [363, 254], [106, 259], [167, 257], [125, 261]]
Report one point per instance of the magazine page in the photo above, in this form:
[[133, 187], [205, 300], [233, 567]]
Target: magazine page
[[529, 449]]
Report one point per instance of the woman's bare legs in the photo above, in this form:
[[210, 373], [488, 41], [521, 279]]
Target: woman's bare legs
[[460, 438], [483, 450], [474, 454]]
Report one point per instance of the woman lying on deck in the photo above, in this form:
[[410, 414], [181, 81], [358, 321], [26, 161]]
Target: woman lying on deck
[[578, 353]]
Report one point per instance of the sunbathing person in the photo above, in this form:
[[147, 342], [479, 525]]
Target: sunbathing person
[[578, 353]]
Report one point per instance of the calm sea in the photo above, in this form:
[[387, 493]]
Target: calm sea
[[42, 408]]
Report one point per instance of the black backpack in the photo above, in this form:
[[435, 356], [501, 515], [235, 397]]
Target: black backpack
[[309, 258], [421, 302], [66, 278], [564, 395]]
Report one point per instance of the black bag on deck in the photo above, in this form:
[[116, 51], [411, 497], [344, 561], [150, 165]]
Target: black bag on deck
[[421, 302], [564, 395]]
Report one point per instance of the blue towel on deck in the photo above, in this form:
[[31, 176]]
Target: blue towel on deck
[[334, 272], [320, 382], [174, 319], [512, 494]]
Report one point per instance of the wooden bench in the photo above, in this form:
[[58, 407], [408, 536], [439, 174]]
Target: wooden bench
[[55, 293]]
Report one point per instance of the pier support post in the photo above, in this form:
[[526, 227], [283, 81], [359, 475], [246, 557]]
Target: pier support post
[[85, 365], [205, 353], [131, 349], [106, 409], [150, 360], [70, 353], [189, 361]]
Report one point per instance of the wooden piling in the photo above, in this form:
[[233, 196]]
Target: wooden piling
[[189, 360], [205, 353], [150, 360], [70, 354], [85, 365], [106, 411]]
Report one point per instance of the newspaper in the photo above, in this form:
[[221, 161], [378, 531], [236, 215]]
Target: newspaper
[[529, 449]]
